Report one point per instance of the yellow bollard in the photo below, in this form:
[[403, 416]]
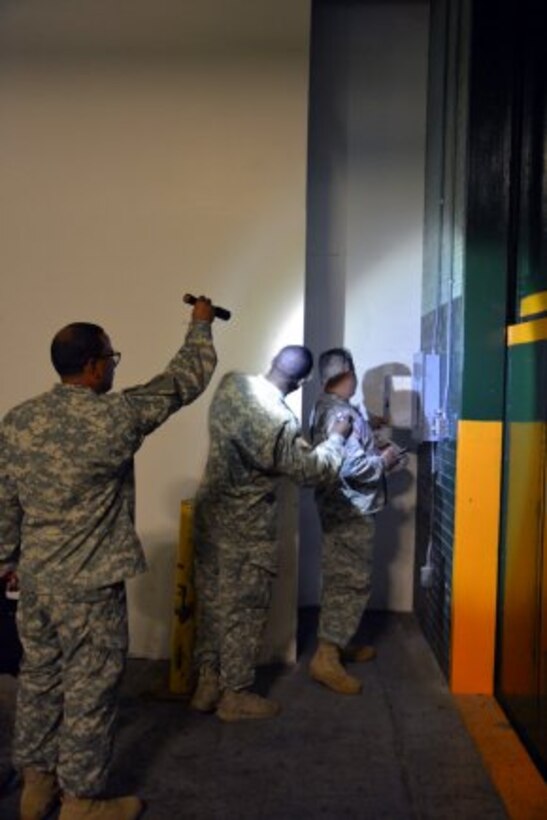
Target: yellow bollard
[[182, 644]]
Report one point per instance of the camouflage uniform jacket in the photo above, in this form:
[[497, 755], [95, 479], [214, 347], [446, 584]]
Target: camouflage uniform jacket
[[361, 484], [66, 473], [255, 438]]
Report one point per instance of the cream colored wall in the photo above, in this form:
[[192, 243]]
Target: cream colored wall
[[148, 149], [385, 194], [367, 149]]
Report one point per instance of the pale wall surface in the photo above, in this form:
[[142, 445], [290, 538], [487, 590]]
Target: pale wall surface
[[151, 148], [365, 228]]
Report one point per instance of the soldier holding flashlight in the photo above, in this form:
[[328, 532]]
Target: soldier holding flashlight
[[67, 501]]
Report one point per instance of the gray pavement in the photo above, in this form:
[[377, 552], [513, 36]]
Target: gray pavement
[[399, 751]]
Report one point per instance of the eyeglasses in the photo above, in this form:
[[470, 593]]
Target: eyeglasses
[[115, 356]]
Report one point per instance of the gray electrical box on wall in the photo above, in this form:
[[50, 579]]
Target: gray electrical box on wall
[[398, 401], [428, 417]]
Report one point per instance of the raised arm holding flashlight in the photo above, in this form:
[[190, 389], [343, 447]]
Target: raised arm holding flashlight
[[66, 466]]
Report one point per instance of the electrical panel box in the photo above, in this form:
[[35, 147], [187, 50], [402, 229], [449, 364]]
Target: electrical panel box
[[428, 418], [398, 401]]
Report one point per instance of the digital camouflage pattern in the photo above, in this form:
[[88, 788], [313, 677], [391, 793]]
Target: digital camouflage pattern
[[255, 440], [75, 651], [233, 591], [67, 493], [361, 485], [67, 503], [346, 565], [346, 509]]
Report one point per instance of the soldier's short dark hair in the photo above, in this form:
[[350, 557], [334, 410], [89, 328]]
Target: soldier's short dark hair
[[334, 363], [294, 362], [74, 345]]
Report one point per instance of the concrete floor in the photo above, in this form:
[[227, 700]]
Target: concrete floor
[[398, 751]]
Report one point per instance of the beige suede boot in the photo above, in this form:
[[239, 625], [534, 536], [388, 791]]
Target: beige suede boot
[[118, 808], [358, 654], [207, 693], [246, 706], [325, 667], [40, 794]]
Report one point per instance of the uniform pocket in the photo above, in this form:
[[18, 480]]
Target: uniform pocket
[[108, 621]]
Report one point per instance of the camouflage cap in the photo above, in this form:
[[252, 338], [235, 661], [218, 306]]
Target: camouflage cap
[[334, 363]]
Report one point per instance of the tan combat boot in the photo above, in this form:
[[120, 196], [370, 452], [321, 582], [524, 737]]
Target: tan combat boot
[[326, 668], [207, 692], [246, 706], [118, 808], [358, 654], [40, 794]]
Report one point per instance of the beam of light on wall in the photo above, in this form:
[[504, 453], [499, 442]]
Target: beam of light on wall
[[379, 286], [367, 265], [290, 332]]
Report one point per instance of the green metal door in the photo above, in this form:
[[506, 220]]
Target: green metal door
[[521, 677]]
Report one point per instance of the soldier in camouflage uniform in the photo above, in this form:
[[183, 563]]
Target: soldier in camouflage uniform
[[346, 509], [67, 520], [255, 439]]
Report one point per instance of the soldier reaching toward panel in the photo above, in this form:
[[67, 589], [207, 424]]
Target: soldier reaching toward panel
[[346, 509], [255, 439], [67, 521]]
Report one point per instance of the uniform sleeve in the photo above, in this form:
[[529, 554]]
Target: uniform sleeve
[[304, 464], [361, 465], [184, 379], [11, 513]]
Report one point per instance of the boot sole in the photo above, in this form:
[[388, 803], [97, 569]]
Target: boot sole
[[204, 710], [141, 810], [50, 810], [332, 688]]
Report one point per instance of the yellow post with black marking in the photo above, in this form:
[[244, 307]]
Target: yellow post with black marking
[[182, 645]]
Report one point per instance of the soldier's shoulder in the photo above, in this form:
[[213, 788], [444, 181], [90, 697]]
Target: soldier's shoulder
[[27, 408], [327, 401], [232, 394], [234, 377], [232, 382]]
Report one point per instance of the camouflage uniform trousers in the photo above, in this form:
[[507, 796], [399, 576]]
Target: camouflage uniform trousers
[[348, 547], [74, 657], [233, 592]]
